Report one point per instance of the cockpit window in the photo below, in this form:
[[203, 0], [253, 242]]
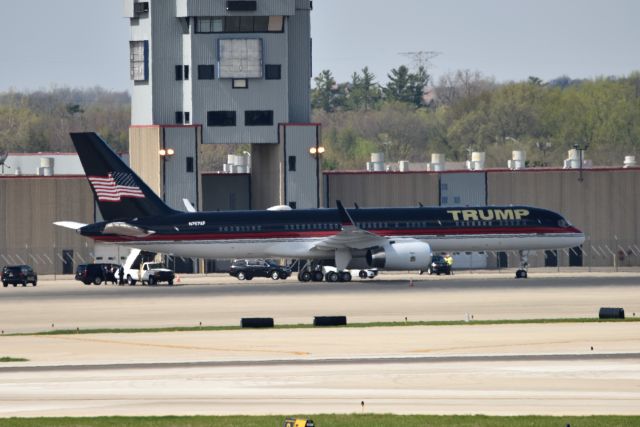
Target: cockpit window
[[562, 223]]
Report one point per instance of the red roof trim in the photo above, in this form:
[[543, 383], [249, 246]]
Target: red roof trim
[[164, 126], [42, 177], [300, 124], [536, 170]]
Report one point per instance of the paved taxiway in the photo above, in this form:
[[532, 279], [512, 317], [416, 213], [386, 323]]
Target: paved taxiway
[[492, 369]]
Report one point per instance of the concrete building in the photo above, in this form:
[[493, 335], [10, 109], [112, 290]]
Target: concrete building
[[230, 72], [41, 164]]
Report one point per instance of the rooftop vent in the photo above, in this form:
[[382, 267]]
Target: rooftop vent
[[630, 162]]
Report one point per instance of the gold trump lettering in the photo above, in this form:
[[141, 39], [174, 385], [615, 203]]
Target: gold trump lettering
[[488, 214]]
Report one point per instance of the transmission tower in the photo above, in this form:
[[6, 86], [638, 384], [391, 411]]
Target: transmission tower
[[421, 58]]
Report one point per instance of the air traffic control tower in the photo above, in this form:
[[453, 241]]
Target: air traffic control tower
[[223, 72]]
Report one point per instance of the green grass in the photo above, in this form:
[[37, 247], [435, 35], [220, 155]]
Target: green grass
[[12, 359], [303, 326], [365, 420]]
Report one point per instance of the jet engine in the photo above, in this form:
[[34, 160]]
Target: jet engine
[[407, 254]]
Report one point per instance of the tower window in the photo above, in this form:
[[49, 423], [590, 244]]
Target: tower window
[[242, 5], [272, 72], [221, 118], [189, 164], [258, 118], [139, 60], [292, 163], [182, 72], [240, 83], [206, 72], [179, 117]]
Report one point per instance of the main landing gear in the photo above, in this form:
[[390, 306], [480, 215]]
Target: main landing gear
[[524, 265], [312, 272]]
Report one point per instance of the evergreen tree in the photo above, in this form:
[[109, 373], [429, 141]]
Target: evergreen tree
[[365, 93], [327, 94], [405, 86]]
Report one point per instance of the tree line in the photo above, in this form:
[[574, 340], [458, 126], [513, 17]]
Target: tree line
[[408, 118], [41, 121], [412, 116]]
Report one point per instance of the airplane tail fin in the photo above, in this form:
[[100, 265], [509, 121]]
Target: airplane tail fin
[[120, 193]]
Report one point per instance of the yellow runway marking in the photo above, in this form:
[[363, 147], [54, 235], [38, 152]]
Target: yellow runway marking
[[177, 346]]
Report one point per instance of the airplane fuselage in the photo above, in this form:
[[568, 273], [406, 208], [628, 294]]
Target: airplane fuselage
[[296, 233]]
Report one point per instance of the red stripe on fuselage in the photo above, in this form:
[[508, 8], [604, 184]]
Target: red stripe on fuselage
[[471, 231]]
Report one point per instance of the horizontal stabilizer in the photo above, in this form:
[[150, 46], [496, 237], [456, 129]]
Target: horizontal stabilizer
[[70, 224], [124, 229]]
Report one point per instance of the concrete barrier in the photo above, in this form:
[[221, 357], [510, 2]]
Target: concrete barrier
[[611, 313], [257, 322], [330, 321]]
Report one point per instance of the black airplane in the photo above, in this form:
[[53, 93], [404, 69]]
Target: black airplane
[[384, 238]]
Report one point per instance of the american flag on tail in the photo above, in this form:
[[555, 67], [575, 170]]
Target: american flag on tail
[[115, 186]]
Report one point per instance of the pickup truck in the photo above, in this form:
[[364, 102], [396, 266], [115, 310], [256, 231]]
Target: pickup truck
[[150, 273]]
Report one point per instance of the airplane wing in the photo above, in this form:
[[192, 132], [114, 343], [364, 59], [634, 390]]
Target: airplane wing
[[350, 237]]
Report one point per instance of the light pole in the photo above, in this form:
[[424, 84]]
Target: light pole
[[165, 154], [543, 146], [580, 149], [316, 152]]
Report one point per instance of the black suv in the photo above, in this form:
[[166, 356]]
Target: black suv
[[96, 273], [438, 266], [19, 274], [250, 268]]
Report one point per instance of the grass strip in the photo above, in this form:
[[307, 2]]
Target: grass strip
[[309, 326], [12, 359], [331, 420]]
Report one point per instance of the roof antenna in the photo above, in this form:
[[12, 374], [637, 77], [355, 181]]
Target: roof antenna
[[356, 205], [420, 204]]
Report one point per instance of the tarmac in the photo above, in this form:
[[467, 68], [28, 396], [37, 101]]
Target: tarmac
[[498, 369]]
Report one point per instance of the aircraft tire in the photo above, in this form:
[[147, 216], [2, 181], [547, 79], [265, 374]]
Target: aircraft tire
[[317, 276], [362, 274], [345, 276], [332, 277]]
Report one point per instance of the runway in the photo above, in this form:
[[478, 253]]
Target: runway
[[500, 369]]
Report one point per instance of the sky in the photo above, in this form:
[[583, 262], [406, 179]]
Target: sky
[[84, 43]]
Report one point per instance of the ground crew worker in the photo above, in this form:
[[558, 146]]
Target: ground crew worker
[[449, 260]]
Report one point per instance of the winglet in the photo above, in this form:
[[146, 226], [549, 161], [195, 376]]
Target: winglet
[[345, 218]]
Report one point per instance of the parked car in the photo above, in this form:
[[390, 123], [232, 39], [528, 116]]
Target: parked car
[[247, 269], [19, 275], [96, 273], [438, 266]]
